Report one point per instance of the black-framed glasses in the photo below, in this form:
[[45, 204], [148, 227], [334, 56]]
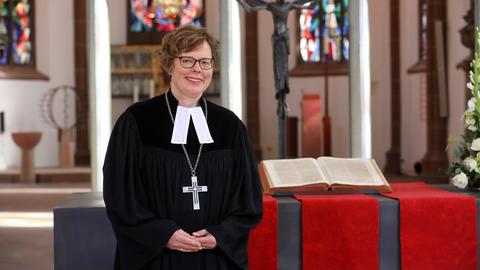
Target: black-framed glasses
[[189, 62]]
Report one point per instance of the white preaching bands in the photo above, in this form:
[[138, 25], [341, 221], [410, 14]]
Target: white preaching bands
[[182, 122], [179, 136]]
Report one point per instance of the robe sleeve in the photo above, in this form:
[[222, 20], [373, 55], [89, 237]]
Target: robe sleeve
[[245, 206], [140, 234]]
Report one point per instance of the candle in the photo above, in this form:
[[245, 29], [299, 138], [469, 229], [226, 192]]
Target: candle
[[2, 122], [136, 93], [152, 88]]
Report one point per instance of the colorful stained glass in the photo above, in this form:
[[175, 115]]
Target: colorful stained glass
[[324, 32], [22, 47], [4, 26], [164, 15], [423, 30]]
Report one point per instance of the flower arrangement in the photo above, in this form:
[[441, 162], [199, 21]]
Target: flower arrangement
[[465, 169]]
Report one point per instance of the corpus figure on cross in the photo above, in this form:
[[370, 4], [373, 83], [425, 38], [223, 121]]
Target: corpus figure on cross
[[281, 50]]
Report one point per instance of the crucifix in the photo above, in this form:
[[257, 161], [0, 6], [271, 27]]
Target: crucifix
[[195, 189], [281, 49]]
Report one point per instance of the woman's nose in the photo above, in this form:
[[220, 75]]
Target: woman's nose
[[196, 67]]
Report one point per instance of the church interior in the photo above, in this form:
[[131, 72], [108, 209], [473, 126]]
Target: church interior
[[416, 75]]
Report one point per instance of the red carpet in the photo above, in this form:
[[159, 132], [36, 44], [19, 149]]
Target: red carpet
[[263, 242], [438, 229], [339, 232]]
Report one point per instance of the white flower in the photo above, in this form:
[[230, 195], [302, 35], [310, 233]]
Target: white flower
[[460, 180], [475, 145], [469, 121], [470, 163], [470, 85], [473, 128], [471, 104]]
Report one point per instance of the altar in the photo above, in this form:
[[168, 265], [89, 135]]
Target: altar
[[83, 237]]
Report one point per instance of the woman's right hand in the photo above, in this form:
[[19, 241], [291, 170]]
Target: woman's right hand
[[183, 242]]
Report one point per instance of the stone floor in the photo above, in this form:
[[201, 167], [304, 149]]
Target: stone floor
[[26, 223]]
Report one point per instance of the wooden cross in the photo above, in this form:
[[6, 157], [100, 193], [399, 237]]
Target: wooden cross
[[281, 49]]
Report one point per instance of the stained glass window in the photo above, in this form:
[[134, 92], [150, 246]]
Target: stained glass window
[[15, 32], [4, 36], [164, 15], [324, 32], [423, 30]]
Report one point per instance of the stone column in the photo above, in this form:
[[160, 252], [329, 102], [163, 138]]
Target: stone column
[[231, 57], [393, 155], [435, 160], [100, 100], [360, 109]]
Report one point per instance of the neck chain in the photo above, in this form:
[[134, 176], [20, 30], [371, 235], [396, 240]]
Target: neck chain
[[193, 169]]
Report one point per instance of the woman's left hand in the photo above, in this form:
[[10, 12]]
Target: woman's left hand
[[207, 240]]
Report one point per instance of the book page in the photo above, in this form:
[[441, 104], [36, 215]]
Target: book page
[[351, 171], [293, 172]]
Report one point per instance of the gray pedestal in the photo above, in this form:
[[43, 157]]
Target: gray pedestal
[[83, 236]]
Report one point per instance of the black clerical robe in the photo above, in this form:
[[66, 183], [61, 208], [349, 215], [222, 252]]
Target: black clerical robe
[[143, 179]]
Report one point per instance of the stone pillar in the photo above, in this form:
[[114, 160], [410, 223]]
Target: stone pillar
[[100, 100], [231, 56], [360, 109], [435, 160], [393, 165]]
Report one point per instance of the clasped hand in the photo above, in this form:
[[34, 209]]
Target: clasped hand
[[185, 242]]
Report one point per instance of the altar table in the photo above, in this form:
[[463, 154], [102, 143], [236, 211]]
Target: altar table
[[83, 237]]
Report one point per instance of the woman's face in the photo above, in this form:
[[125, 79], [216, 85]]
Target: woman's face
[[189, 83]]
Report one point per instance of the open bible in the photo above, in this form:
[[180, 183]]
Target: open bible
[[323, 173]]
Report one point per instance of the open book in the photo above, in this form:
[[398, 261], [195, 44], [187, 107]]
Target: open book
[[323, 173]]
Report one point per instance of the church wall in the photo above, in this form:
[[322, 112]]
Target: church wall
[[413, 90], [338, 88], [414, 114], [55, 59], [379, 14], [118, 36], [456, 53], [268, 124], [413, 86], [20, 99]]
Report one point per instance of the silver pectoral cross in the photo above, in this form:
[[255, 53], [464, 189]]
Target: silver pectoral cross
[[195, 189]]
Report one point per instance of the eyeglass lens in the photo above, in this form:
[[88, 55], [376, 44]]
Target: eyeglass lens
[[188, 62]]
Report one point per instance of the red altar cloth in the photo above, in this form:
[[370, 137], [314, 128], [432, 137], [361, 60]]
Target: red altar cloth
[[339, 231], [438, 229], [263, 242]]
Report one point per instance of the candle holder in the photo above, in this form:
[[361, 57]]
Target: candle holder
[[56, 112]]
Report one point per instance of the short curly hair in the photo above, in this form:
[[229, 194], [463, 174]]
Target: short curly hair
[[185, 39]]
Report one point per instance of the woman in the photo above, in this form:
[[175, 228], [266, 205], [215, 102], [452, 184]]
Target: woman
[[182, 194]]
